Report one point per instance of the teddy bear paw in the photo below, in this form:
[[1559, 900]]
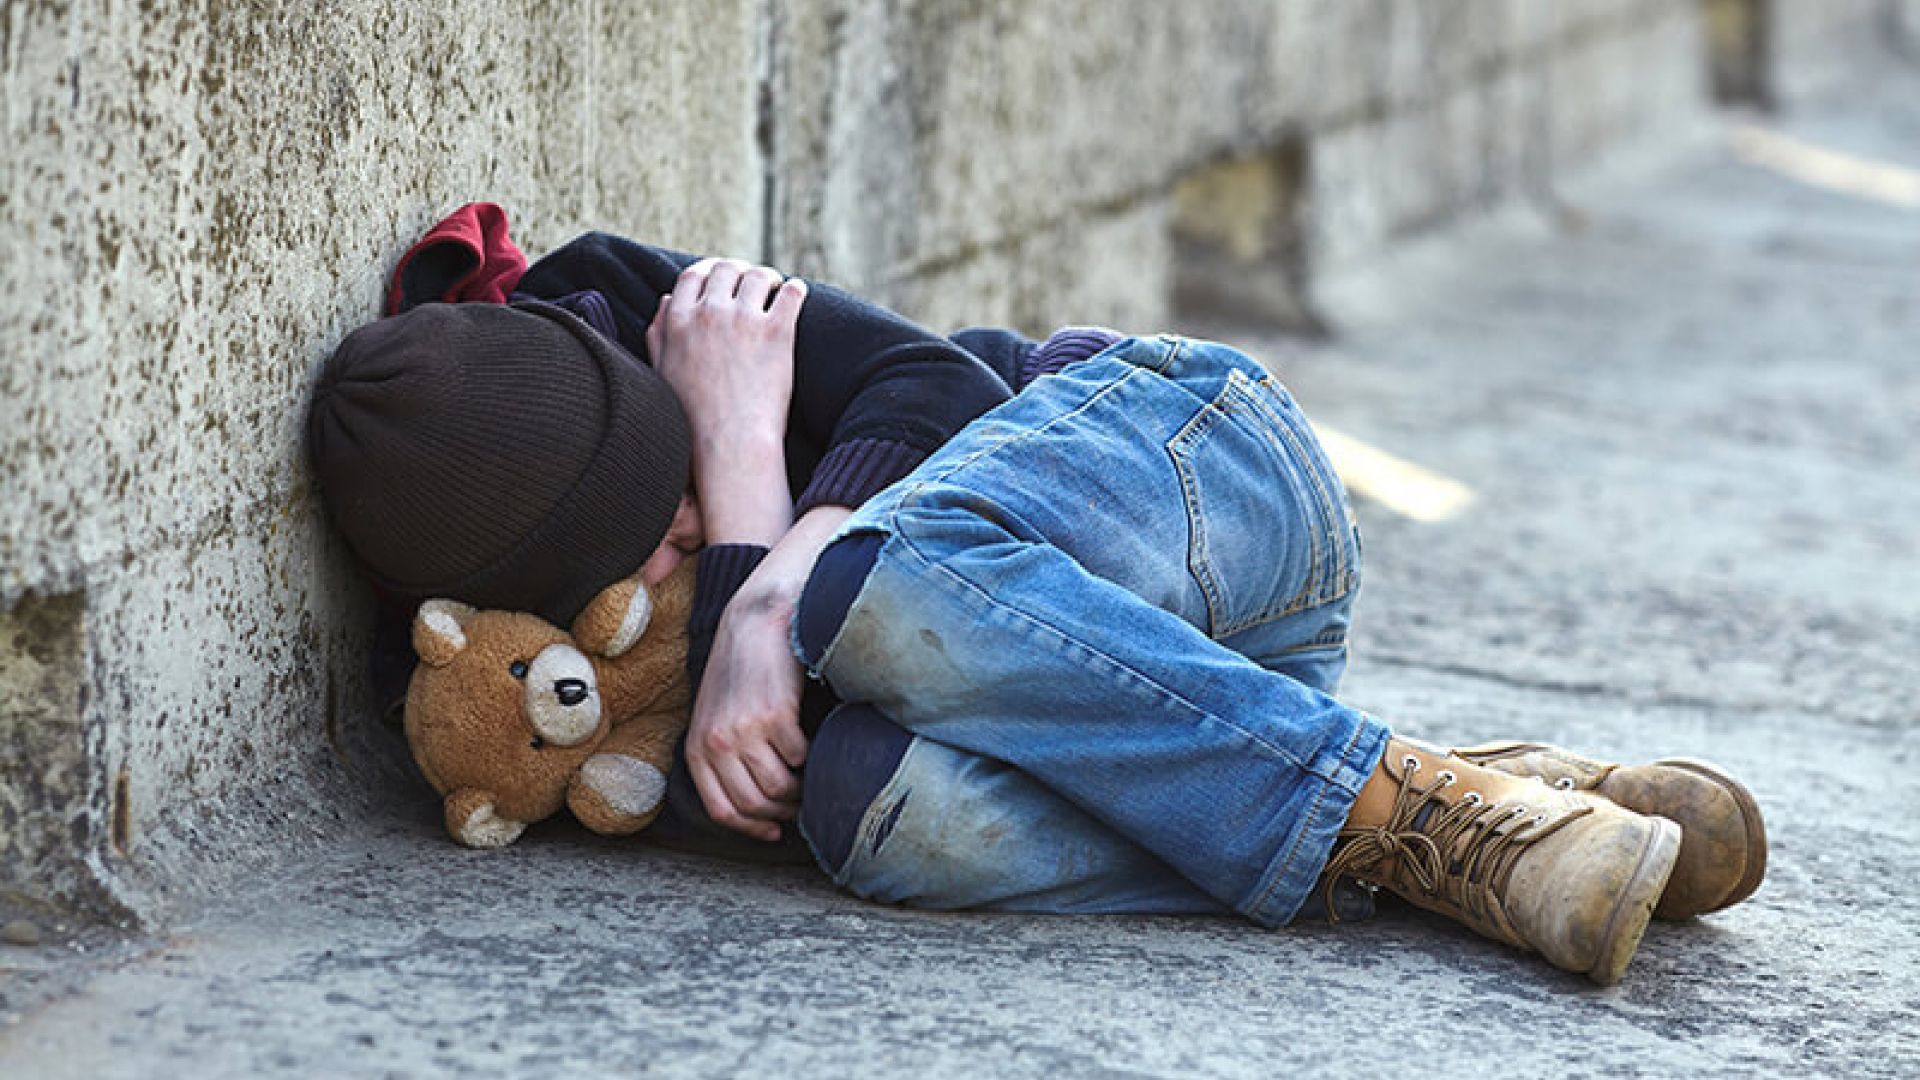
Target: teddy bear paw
[[481, 827], [624, 787]]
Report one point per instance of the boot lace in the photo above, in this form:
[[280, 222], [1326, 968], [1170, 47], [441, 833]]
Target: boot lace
[[1457, 855]]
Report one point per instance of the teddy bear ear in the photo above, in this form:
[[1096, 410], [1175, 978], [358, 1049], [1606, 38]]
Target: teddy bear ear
[[439, 631], [614, 620], [472, 821]]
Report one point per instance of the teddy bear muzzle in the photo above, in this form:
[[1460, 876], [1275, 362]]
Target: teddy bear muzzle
[[562, 696]]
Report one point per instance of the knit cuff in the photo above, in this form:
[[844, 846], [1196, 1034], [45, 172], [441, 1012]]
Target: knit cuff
[[1068, 345], [722, 569], [589, 304], [855, 471]]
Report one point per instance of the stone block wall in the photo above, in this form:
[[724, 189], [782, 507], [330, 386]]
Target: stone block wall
[[1009, 162], [199, 199], [1810, 48]]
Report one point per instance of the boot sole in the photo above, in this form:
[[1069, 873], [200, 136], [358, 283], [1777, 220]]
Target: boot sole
[[1756, 829], [1634, 908]]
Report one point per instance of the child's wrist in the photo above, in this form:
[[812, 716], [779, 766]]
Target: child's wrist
[[745, 510], [742, 447], [742, 490]]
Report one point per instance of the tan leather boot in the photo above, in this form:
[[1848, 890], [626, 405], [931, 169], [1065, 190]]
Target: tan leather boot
[[1564, 873], [1723, 845]]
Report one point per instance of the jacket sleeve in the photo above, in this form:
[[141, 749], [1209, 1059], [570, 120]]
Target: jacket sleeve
[[873, 393], [719, 573]]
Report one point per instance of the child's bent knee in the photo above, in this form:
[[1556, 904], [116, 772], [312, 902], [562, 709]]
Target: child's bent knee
[[836, 580], [855, 754]]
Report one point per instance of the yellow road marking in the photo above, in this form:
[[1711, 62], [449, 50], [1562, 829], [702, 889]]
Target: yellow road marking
[[1396, 483], [1830, 169]]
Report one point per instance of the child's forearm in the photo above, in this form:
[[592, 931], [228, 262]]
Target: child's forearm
[[774, 587], [741, 486], [723, 339]]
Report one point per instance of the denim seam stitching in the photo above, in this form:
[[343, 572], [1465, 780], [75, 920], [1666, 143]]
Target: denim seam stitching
[[1286, 613], [910, 495], [1194, 708], [1341, 574], [1323, 569], [1313, 646], [1332, 573], [1198, 564], [1171, 349], [1333, 583], [1307, 822], [1274, 430], [1279, 428]]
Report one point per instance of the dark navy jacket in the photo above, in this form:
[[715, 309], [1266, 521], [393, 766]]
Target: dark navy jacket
[[873, 395]]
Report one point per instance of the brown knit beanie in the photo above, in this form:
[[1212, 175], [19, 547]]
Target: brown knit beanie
[[506, 456]]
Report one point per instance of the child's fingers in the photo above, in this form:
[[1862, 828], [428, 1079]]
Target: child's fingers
[[657, 329], [790, 742], [745, 790], [721, 805], [776, 783], [693, 280], [787, 300], [723, 281], [757, 286]]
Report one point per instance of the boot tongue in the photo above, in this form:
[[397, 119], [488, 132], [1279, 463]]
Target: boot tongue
[[1419, 825]]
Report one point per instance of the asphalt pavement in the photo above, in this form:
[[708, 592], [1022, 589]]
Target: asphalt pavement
[[1677, 412]]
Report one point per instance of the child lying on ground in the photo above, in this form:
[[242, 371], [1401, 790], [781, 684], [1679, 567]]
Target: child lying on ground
[[1084, 600]]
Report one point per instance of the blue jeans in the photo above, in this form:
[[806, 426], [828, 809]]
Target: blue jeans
[[1112, 613]]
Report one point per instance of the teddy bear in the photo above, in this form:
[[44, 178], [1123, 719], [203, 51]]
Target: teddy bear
[[510, 718]]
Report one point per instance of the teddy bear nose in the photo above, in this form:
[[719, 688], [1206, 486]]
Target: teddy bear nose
[[570, 691]]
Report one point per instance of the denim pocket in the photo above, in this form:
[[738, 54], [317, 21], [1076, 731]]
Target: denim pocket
[[1268, 532]]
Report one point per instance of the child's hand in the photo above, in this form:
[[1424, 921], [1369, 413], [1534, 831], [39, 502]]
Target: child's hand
[[723, 339], [745, 742]]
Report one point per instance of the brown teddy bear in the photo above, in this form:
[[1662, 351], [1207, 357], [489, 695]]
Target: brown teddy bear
[[510, 717]]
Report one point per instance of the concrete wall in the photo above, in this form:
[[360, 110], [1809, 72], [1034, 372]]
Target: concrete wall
[[1900, 29], [1008, 161], [1815, 47], [199, 199]]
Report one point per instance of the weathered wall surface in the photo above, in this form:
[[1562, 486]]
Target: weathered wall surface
[[1814, 47], [1014, 162], [199, 199]]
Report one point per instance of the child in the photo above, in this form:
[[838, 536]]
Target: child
[[517, 456], [1093, 633]]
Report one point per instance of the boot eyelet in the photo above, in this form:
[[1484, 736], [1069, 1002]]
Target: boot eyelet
[[1473, 798], [1565, 783], [1447, 777], [1410, 763]]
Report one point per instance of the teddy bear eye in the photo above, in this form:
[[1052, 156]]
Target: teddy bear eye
[[517, 669]]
